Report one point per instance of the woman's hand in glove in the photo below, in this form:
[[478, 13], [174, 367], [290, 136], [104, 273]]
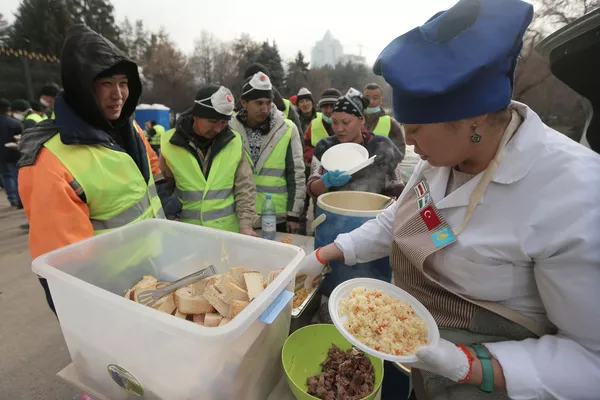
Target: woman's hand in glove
[[445, 359], [335, 178], [312, 267]]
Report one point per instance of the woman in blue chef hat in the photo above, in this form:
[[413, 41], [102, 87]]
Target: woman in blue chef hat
[[497, 231]]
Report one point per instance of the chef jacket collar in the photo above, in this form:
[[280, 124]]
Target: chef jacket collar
[[519, 156]]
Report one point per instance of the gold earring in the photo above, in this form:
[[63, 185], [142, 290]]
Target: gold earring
[[475, 137]]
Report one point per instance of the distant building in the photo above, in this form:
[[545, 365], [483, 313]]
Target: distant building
[[327, 51], [353, 58]]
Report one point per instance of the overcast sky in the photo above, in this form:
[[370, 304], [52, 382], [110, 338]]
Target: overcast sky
[[294, 25]]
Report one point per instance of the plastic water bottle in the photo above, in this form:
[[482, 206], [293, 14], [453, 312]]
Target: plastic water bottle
[[269, 219]]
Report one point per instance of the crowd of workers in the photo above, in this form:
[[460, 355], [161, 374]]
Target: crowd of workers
[[79, 152]]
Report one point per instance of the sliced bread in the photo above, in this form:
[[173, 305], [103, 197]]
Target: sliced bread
[[215, 298], [179, 314], [212, 320], [255, 284], [272, 276], [188, 303], [166, 304], [199, 319], [224, 321], [232, 292], [237, 306], [238, 275]]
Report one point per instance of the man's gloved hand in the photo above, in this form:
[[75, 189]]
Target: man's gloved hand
[[445, 359], [335, 178], [311, 267]]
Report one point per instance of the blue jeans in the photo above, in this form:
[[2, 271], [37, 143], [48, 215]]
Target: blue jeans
[[10, 173]]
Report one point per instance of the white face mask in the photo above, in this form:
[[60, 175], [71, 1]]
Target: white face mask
[[19, 117], [221, 101], [44, 102]]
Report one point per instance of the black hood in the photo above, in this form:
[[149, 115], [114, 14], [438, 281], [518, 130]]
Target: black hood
[[85, 55]]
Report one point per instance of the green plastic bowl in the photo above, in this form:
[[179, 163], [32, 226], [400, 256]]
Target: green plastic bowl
[[305, 350]]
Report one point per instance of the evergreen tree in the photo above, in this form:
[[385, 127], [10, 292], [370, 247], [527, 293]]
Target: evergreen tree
[[40, 26], [297, 75], [269, 57], [4, 30], [98, 15]]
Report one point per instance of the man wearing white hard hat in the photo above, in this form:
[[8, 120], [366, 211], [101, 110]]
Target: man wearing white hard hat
[[274, 148], [204, 159]]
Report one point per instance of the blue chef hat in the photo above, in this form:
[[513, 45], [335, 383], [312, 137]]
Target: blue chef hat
[[460, 64]]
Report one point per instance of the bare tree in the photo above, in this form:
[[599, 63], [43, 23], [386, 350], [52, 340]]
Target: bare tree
[[202, 62]]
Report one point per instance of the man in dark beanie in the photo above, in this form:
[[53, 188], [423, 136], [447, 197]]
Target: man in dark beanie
[[205, 161], [283, 105], [91, 169], [306, 108], [275, 149], [320, 127], [47, 95]]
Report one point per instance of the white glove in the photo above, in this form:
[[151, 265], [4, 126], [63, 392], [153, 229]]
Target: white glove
[[445, 359], [311, 267]]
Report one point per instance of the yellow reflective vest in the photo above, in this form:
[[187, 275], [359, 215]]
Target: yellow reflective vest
[[383, 126], [317, 130], [34, 117], [288, 104], [115, 191], [207, 202], [155, 140], [271, 177]]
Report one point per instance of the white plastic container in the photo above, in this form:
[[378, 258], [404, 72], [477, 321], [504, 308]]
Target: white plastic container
[[342, 292], [169, 358]]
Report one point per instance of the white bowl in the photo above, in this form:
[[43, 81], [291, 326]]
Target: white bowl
[[344, 156], [343, 290]]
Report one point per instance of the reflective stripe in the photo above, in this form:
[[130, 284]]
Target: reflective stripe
[[271, 189], [76, 187], [216, 214], [189, 195], [220, 194], [276, 172], [208, 215], [152, 190], [159, 176], [190, 214], [197, 195], [125, 217]]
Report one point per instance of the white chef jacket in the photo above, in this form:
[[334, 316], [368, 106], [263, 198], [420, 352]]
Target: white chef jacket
[[532, 244]]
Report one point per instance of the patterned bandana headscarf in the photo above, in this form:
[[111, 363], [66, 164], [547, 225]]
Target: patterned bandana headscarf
[[350, 103]]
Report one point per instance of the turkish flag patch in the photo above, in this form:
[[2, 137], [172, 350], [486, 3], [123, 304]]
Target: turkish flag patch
[[430, 218]]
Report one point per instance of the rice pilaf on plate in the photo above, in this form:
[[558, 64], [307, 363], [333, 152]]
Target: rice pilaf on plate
[[383, 322]]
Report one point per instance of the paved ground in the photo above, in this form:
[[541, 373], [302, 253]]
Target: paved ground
[[32, 349]]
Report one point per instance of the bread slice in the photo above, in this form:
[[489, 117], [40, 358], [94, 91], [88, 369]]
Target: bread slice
[[224, 321], [238, 275], [188, 303], [215, 298], [129, 294], [179, 314], [166, 304], [199, 287], [233, 292], [237, 306], [199, 319], [224, 280], [255, 284], [146, 282], [212, 320], [272, 276]]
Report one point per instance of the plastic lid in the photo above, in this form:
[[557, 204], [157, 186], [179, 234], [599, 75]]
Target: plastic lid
[[268, 195]]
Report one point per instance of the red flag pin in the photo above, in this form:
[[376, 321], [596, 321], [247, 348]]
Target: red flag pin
[[430, 217]]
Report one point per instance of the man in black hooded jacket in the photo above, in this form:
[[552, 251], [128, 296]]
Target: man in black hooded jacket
[[91, 169]]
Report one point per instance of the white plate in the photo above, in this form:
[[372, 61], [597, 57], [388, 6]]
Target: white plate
[[344, 156], [343, 290]]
